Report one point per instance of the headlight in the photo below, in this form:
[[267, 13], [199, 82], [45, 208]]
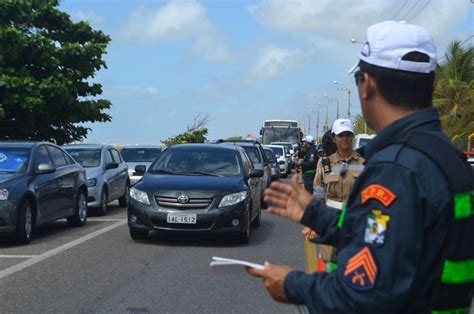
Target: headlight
[[3, 194], [130, 172], [233, 199], [139, 196], [91, 182]]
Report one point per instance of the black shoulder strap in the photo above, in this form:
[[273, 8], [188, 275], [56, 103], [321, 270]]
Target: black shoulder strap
[[446, 156]]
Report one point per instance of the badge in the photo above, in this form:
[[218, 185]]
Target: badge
[[378, 192], [361, 271], [376, 227]]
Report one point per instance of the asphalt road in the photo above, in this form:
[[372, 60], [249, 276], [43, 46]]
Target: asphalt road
[[99, 268]]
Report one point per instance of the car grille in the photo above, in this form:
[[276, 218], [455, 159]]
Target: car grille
[[193, 203], [205, 225]]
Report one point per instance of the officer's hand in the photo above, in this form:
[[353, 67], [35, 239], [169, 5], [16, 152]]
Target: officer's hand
[[273, 279], [287, 201]]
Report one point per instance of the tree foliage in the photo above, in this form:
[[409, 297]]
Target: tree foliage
[[194, 134], [360, 127], [47, 63], [454, 93]]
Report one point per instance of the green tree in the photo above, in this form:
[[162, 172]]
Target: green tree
[[194, 134], [47, 63], [360, 126], [454, 93]]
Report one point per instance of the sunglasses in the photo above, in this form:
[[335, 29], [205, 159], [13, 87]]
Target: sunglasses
[[358, 76]]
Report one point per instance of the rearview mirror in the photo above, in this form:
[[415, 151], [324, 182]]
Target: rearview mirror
[[256, 173], [140, 170], [45, 168]]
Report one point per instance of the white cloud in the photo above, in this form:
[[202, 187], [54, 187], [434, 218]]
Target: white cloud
[[93, 18], [331, 24], [175, 21], [152, 90], [274, 62], [134, 90]]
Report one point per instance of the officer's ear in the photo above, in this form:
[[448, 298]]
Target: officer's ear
[[368, 86]]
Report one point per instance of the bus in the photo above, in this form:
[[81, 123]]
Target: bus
[[280, 131]]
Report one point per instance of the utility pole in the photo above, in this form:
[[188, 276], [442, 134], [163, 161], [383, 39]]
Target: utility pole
[[348, 90], [317, 127], [337, 104]]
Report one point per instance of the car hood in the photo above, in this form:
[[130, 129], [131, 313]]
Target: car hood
[[8, 177], [93, 172], [153, 183]]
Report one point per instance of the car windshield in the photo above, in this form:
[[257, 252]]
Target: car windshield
[[269, 154], [253, 154], [278, 151], [140, 154], [197, 161], [87, 157], [14, 159]]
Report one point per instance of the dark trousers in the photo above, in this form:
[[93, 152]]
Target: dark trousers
[[308, 179]]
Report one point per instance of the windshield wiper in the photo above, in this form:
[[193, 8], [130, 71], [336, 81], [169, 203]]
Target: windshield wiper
[[200, 173], [163, 171]]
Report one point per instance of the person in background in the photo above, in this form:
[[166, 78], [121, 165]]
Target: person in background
[[308, 164], [335, 175]]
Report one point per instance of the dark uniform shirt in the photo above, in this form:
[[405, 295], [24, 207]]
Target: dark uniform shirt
[[390, 236], [310, 160]]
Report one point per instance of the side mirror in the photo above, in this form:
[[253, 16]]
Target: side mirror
[[111, 165], [45, 168], [140, 170], [256, 173]]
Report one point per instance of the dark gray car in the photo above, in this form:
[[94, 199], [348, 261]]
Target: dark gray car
[[39, 183], [107, 174]]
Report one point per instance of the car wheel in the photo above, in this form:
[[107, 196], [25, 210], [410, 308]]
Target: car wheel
[[138, 234], [123, 200], [244, 237], [79, 218], [24, 227], [257, 220], [102, 209]]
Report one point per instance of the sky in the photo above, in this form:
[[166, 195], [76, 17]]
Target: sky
[[241, 62]]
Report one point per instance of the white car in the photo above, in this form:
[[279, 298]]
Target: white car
[[361, 140], [280, 154], [135, 155]]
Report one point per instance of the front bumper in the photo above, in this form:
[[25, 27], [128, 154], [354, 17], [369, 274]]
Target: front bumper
[[93, 196], [219, 220]]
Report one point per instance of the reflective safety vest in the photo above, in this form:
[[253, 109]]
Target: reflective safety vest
[[455, 288]]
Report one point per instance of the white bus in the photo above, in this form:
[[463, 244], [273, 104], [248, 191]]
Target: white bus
[[280, 131]]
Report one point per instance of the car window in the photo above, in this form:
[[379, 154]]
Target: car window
[[42, 157], [57, 156], [198, 160], [14, 159], [269, 154], [69, 160], [108, 157], [140, 154], [247, 163], [87, 157], [277, 150], [253, 154], [116, 156]]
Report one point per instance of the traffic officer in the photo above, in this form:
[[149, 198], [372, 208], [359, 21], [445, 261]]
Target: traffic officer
[[405, 238], [335, 175], [334, 179], [308, 164]]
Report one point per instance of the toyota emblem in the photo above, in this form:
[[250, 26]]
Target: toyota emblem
[[183, 199]]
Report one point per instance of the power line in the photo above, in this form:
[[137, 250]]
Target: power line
[[409, 11], [399, 10], [419, 11]]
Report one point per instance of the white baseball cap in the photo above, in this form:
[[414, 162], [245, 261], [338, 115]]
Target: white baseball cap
[[309, 139], [342, 125], [388, 42]]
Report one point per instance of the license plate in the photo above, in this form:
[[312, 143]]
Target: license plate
[[177, 218]]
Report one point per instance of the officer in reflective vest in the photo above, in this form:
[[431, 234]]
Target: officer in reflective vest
[[308, 164], [405, 240]]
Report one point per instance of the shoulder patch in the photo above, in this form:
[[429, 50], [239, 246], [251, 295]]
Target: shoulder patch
[[361, 271], [376, 227], [379, 193]]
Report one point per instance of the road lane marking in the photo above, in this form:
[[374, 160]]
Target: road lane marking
[[17, 256], [34, 260]]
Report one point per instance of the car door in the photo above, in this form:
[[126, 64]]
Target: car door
[[111, 175], [122, 172], [267, 172], [45, 186], [253, 183], [66, 176]]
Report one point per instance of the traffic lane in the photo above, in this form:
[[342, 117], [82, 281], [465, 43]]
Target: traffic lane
[[165, 274], [53, 235]]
